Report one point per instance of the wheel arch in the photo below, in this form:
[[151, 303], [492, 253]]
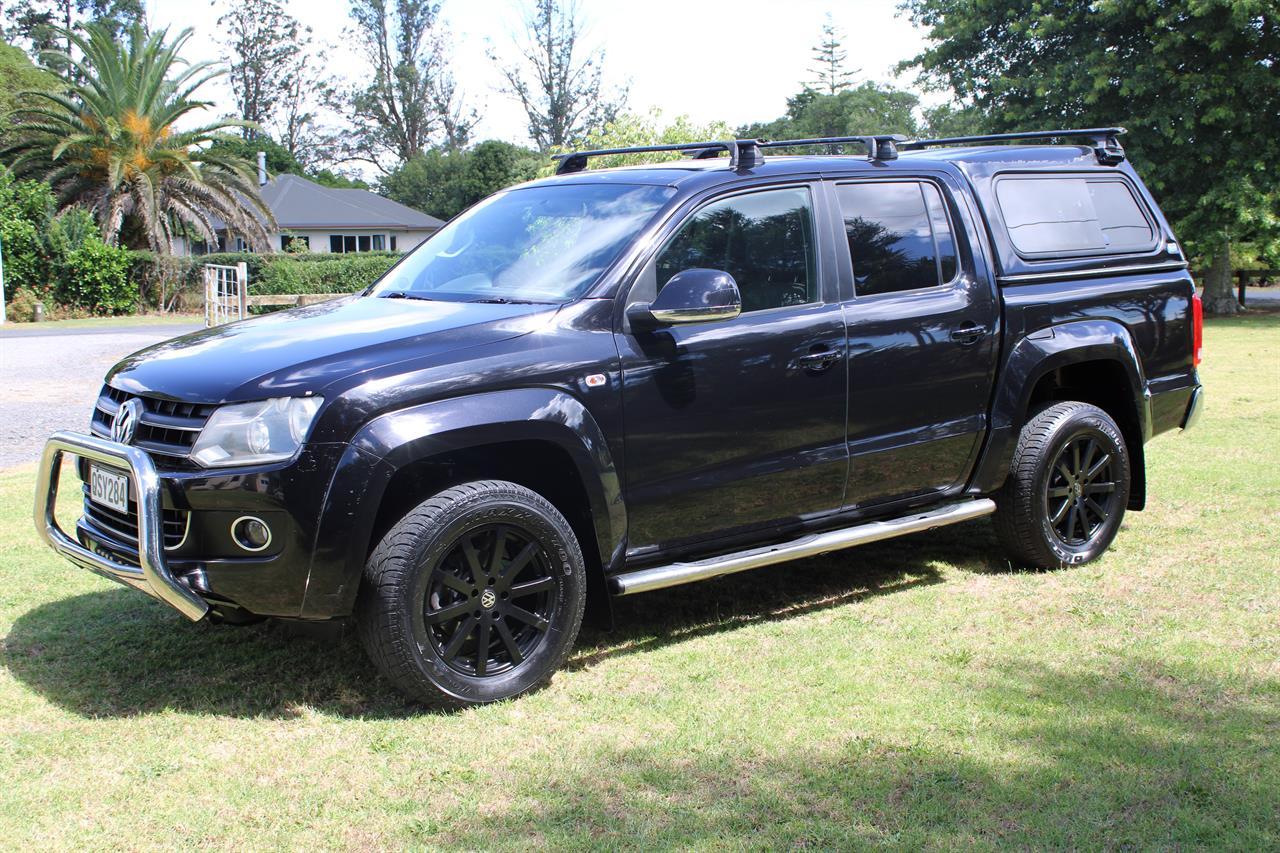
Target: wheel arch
[[1093, 361], [541, 438]]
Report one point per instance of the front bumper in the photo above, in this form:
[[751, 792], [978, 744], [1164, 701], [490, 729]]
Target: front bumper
[[152, 574]]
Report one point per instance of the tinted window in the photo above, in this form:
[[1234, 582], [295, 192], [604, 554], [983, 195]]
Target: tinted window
[[899, 234], [534, 244], [764, 240], [1070, 215]]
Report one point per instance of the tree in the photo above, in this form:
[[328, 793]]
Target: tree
[[829, 58], [17, 74], [297, 122], [265, 44], [445, 182], [632, 129], [1194, 81], [112, 144], [280, 160], [864, 109], [36, 23], [411, 103], [565, 99]]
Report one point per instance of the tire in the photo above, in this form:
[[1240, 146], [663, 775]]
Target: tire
[[1052, 511], [433, 594]]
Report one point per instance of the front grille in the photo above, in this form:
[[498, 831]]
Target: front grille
[[123, 527], [167, 427]]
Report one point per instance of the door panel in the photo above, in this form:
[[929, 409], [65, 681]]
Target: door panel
[[922, 336], [738, 423]]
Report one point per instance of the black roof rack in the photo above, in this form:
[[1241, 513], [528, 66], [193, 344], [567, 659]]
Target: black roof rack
[[746, 153], [743, 153], [1106, 144]]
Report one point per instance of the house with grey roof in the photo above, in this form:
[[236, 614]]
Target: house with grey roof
[[325, 219]]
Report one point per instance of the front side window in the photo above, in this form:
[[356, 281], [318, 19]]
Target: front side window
[[763, 239], [534, 244], [899, 234], [1072, 215]]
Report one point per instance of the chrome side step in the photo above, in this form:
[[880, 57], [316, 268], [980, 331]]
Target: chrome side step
[[812, 545]]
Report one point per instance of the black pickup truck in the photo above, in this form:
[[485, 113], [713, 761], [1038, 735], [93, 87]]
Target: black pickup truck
[[616, 380]]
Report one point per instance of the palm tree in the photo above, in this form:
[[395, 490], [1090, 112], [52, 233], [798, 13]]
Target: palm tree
[[110, 143]]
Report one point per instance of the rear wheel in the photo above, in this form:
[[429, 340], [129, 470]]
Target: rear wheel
[[1067, 489], [476, 595]]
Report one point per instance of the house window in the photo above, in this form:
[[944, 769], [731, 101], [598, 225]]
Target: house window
[[346, 243], [241, 245], [294, 243], [393, 242]]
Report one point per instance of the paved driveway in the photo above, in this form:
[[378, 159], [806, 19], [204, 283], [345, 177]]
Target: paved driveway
[[51, 380]]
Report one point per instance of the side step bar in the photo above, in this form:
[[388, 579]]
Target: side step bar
[[812, 545]]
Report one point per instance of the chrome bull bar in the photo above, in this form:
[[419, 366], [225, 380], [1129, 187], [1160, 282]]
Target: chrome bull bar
[[152, 575]]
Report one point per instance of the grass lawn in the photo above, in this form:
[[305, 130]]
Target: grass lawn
[[911, 693]]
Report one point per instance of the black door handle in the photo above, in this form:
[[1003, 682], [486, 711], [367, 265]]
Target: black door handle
[[968, 334], [820, 360]]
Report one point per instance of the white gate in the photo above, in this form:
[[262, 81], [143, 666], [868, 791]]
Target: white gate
[[226, 293]]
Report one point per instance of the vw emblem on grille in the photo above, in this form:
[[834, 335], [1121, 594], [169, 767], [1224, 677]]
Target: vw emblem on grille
[[126, 421]]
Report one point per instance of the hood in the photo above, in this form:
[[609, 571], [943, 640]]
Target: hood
[[293, 352]]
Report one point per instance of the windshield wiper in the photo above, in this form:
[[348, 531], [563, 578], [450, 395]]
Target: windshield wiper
[[503, 300], [404, 294]]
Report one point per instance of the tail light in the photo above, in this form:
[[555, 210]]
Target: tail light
[[1197, 324]]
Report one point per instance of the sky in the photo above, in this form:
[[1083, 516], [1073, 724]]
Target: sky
[[731, 61]]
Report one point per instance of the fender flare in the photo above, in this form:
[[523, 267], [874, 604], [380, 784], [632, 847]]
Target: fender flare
[[392, 441], [1040, 353]]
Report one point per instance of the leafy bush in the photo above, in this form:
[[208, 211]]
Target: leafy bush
[[320, 273], [22, 305], [95, 277]]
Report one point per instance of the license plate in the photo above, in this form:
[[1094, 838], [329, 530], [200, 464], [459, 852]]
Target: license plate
[[109, 488]]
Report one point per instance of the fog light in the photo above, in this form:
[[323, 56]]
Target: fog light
[[251, 534]]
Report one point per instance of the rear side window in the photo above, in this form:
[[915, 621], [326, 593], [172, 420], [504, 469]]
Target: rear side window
[[1070, 216], [899, 234]]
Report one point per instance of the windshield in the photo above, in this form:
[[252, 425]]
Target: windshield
[[541, 244]]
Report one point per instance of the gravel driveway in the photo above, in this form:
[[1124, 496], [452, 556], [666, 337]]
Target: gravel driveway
[[53, 379]]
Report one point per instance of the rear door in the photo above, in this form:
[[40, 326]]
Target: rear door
[[738, 424], [922, 336]]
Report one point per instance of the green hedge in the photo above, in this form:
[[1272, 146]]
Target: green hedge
[[181, 281]]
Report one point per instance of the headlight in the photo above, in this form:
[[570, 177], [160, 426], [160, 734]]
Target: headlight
[[250, 433]]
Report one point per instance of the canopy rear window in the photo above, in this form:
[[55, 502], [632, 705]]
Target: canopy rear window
[[1068, 216]]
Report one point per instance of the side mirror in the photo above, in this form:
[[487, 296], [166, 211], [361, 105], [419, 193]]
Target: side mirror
[[690, 296]]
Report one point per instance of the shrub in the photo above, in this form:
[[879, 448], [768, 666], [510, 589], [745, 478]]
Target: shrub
[[95, 278], [22, 305], [321, 273]]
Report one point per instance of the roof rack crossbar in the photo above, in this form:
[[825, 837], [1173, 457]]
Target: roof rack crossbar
[[879, 147], [743, 153], [1106, 145]]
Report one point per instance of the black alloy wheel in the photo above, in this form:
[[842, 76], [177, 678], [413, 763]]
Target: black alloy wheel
[[490, 600], [1067, 489], [475, 595], [1081, 490]]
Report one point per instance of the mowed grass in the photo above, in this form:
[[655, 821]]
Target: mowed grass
[[914, 693]]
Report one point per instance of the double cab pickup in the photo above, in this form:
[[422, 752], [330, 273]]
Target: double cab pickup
[[616, 380]]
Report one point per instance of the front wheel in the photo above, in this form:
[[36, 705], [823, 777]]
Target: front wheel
[[1067, 488], [476, 595]]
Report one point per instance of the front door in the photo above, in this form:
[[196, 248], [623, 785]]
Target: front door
[[737, 424]]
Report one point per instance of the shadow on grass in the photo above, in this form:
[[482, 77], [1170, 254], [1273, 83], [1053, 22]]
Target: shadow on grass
[[117, 653], [1134, 757]]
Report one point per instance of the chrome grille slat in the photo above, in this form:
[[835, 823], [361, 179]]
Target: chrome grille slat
[[167, 428]]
